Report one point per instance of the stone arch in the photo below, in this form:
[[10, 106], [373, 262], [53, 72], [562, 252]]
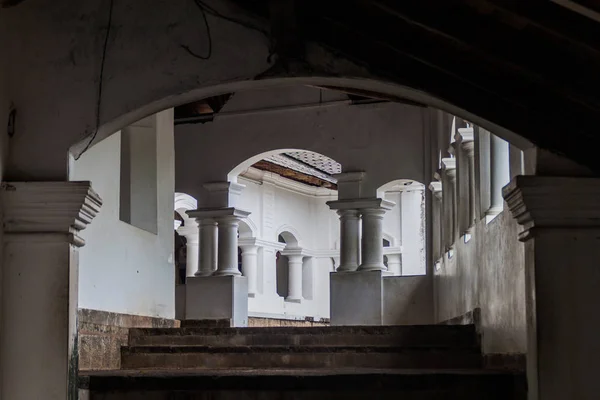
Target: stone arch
[[184, 202], [374, 86], [244, 165], [290, 235], [396, 183], [247, 229], [390, 238]]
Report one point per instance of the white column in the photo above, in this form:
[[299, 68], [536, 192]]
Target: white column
[[349, 240], [372, 237], [294, 278], [40, 272], [560, 217], [394, 264], [250, 266], [227, 262], [500, 174], [191, 234], [208, 247]]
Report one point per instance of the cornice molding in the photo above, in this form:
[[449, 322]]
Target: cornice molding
[[48, 207], [553, 202]]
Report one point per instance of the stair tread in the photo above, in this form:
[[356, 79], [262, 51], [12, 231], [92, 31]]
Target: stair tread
[[298, 349], [317, 330]]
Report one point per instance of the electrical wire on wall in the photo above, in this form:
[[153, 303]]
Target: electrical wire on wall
[[100, 80], [206, 9]]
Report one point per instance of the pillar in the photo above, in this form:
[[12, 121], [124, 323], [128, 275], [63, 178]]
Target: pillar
[[38, 342], [192, 237], [207, 263], [372, 237], [449, 202], [394, 264], [250, 266], [349, 240], [227, 263], [561, 232], [468, 146], [294, 277]]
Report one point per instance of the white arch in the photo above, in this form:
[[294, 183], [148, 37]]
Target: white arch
[[375, 86], [397, 182], [390, 239], [290, 235], [247, 228], [244, 165], [184, 202]]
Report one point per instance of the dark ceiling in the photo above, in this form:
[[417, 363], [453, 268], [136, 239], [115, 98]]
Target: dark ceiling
[[530, 66]]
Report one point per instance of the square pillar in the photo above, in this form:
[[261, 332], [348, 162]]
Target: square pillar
[[356, 298], [224, 293], [218, 298], [561, 231], [40, 287]]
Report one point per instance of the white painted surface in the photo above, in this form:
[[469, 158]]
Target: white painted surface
[[218, 297], [356, 136], [126, 269], [357, 298]]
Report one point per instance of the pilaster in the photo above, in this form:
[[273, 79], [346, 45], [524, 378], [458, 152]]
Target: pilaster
[[42, 221], [561, 231]]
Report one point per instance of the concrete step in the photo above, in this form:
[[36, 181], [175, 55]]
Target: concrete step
[[303, 385], [290, 357], [410, 336]]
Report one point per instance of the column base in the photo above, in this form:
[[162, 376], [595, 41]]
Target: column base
[[288, 300], [356, 298], [227, 273], [217, 298], [372, 267]]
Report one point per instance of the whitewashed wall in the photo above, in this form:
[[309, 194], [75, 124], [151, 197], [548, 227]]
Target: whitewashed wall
[[302, 210], [123, 268]]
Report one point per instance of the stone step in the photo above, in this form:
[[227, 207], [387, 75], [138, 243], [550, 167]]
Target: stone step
[[410, 336], [289, 357], [303, 385]]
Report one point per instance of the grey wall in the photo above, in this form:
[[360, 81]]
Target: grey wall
[[487, 272], [407, 300], [385, 140]]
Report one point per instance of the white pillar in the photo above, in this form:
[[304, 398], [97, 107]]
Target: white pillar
[[208, 247], [394, 264], [40, 272], [372, 237], [349, 240], [250, 266], [561, 231], [191, 234], [294, 278], [227, 262]]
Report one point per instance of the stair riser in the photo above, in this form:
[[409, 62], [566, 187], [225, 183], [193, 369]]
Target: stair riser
[[466, 394], [304, 340], [425, 360]]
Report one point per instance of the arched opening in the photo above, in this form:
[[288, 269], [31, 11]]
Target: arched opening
[[405, 238]]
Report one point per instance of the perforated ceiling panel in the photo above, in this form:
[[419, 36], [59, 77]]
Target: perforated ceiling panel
[[317, 161], [303, 161]]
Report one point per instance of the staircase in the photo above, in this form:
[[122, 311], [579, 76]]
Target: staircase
[[376, 362]]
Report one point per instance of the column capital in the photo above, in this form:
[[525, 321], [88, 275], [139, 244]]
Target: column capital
[[449, 167], [553, 202], [350, 184], [218, 213], [361, 203], [348, 213], [49, 207], [464, 135], [436, 189]]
